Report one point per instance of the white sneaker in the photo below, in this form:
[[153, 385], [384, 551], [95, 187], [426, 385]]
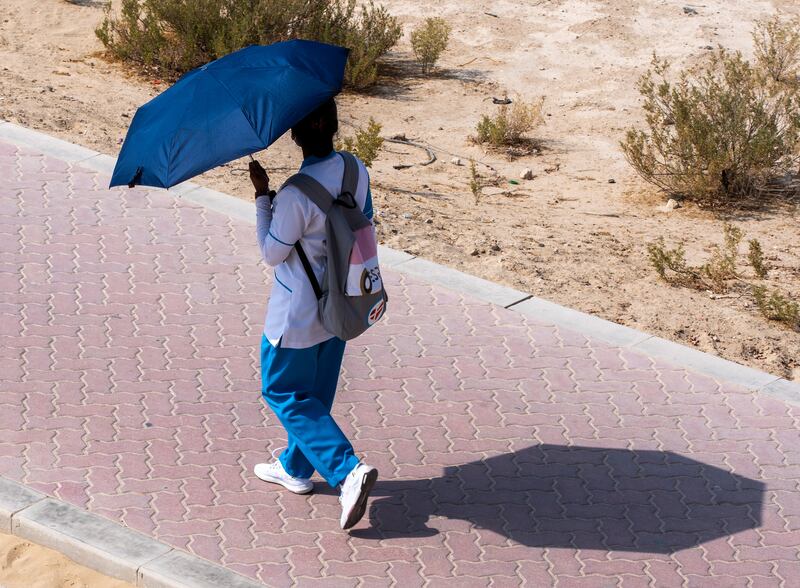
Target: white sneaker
[[274, 472], [355, 491]]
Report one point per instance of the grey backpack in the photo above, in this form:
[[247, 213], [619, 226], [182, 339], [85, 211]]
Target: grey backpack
[[351, 297]]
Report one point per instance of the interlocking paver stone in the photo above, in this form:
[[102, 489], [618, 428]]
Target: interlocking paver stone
[[512, 451]]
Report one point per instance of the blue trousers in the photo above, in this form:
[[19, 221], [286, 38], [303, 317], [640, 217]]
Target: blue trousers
[[299, 386]]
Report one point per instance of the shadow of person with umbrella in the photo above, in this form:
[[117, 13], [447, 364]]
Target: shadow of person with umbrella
[[576, 497]]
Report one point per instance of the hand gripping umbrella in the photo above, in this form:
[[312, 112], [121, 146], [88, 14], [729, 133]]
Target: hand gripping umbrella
[[229, 108]]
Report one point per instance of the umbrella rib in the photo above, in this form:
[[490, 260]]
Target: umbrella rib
[[239, 104], [175, 134]]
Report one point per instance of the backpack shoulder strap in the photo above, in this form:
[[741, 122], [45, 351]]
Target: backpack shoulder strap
[[313, 190], [317, 193], [351, 171], [309, 272]]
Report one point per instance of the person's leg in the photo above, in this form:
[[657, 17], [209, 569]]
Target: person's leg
[[358, 478], [274, 372], [289, 377], [329, 365], [294, 462]]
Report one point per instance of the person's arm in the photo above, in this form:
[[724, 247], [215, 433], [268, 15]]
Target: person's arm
[[263, 220], [260, 179], [264, 197], [280, 221], [279, 226]]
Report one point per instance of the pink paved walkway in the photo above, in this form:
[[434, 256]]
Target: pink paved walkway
[[510, 451]]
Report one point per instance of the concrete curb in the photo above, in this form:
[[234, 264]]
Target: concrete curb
[[105, 546], [716, 367], [588, 324], [13, 499], [48, 145], [87, 539], [543, 310], [177, 568], [783, 389], [461, 282]]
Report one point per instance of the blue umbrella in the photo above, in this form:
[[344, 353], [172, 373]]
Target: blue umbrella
[[227, 109]]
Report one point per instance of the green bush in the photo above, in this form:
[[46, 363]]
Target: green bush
[[366, 144], [755, 256], [722, 266], [715, 274], [429, 41], [670, 265], [777, 45], [475, 182], [718, 133], [509, 126], [777, 307], [719, 272], [178, 35]]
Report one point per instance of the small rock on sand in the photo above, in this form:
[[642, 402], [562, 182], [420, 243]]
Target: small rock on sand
[[456, 161], [527, 174], [671, 205]]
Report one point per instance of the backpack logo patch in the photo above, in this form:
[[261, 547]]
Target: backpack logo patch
[[364, 275], [376, 313]]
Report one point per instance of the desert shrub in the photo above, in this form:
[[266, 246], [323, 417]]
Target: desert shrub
[[365, 144], [663, 259], [475, 182], [369, 32], [722, 266], [717, 133], [429, 41], [509, 126], [666, 260], [178, 35], [777, 307], [715, 274], [755, 255], [777, 48]]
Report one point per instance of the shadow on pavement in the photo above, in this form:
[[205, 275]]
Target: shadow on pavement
[[580, 497]]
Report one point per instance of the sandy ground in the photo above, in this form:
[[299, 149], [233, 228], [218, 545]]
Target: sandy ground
[[26, 565], [569, 235]]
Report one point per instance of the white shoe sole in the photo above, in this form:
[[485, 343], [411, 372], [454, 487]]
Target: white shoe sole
[[360, 505], [295, 488]]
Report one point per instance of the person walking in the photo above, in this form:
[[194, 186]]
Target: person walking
[[300, 358]]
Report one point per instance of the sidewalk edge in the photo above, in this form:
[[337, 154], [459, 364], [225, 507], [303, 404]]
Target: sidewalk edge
[[105, 546]]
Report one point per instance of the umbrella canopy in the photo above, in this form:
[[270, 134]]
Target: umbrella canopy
[[227, 109]]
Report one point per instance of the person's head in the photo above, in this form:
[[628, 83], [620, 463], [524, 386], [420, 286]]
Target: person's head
[[314, 134]]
